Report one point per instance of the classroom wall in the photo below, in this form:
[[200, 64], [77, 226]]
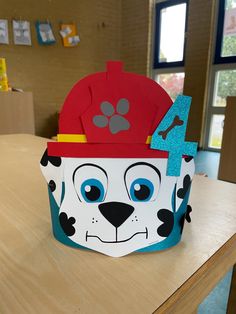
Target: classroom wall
[[198, 60], [50, 71], [109, 29], [136, 35], [137, 21]]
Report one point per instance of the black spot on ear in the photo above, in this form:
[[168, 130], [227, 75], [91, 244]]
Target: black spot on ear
[[54, 160], [186, 183], [52, 185], [187, 215], [188, 158], [44, 159], [67, 224], [167, 217]]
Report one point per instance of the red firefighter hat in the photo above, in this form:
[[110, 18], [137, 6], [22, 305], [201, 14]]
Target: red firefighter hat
[[111, 114]]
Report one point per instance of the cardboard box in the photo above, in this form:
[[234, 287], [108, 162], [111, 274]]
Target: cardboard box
[[16, 113], [227, 167]]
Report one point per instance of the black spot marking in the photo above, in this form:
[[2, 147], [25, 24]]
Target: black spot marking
[[67, 224], [44, 159], [167, 217], [187, 215], [186, 184], [188, 158], [52, 185], [54, 160], [184, 217]]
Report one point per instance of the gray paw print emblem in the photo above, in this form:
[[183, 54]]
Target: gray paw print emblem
[[115, 120]]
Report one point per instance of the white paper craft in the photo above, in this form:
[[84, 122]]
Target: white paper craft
[[65, 32], [4, 39], [94, 229], [74, 40], [21, 33], [46, 33], [113, 196]]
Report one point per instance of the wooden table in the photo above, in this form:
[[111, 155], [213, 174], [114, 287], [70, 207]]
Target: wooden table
[[40, 275]]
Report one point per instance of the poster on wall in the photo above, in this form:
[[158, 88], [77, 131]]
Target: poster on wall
[[69, 35], [21, 33], [4, 39], [44, 33]]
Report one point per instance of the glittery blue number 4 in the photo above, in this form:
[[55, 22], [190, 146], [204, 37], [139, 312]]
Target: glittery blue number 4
[[170, 135]]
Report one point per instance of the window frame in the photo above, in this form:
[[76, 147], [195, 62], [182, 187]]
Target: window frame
[[211, 110], [219, 37], [218, 64], [158, 7]]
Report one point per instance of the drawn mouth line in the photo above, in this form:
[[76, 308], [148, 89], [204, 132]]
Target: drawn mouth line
[[94, 236]]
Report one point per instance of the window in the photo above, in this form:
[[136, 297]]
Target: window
[[170, 33], [173, 83], [170, 29], [223, 73], [226, 33], [216, 130], [225, 85]]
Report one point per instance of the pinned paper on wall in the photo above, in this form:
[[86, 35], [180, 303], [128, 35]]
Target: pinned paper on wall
[[44, 33], [21, 32], [69, 35], [4, 39]]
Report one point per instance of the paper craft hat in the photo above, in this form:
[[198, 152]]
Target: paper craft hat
[[119, 175]]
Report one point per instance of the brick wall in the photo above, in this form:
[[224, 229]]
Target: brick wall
[[136, 35], [50, 72], [109, 29], [198, 61]]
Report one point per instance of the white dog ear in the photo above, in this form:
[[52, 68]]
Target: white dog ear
[[185, 179], [52, 168]]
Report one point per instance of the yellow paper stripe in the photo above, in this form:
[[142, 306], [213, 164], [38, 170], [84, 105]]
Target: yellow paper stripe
[[74, 138], [81, 138], [149, 138]]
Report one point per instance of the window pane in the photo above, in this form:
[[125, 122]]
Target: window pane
[[225, 85], [172, 33], [216, 131], [172, 83], [229, 36]]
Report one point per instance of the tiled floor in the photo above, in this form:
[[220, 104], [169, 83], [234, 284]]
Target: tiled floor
[[216, 301]]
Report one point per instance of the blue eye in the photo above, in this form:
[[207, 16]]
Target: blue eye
[[141, 190], [92, 191]]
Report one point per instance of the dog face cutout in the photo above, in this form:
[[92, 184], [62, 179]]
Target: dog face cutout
[[116, 205]]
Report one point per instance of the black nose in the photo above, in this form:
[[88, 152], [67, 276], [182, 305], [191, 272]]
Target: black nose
[[115, 212]]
